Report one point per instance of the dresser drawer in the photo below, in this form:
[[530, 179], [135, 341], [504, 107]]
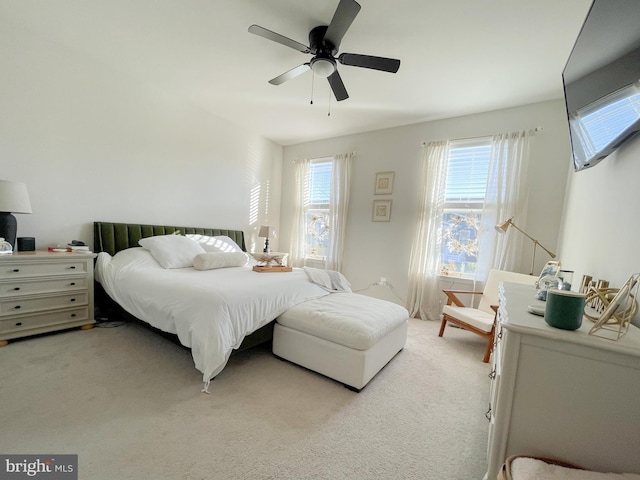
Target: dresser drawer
[[15, 306], [28, 322], [41, 269], [23, 287]]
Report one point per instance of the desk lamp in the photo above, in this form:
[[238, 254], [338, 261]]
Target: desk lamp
[[504, 226]]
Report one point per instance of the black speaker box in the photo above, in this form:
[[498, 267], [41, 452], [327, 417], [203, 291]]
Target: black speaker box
[[26, 244]]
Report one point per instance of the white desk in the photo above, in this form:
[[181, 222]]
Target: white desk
[[562, 394]]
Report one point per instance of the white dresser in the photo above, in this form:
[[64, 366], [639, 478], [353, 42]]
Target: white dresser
[[43, 292], [562, 394]]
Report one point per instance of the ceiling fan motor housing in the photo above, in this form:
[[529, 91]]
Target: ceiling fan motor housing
[[318, 44]]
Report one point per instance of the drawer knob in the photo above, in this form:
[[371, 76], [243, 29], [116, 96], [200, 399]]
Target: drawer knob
[[73, 315], [72, 284], [72, 267], [72, 299], [16, 270], [17, 307], [18, 324], [17, 288]]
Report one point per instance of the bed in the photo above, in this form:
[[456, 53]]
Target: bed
[[198, 285], [183, 301]]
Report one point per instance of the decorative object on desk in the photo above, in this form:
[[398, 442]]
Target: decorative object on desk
[[384, 183], [564, 309], [613, 322], [381, 211], [595, 288], [566, 279], [14, 198], [537, 309], [266, 231], [26, 244], [271, 259], [5, 247], [548, 279], [586, 283], [504, 226]]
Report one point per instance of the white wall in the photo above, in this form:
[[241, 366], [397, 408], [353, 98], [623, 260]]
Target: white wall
[[92, 144], [376, 249], [601, 222]]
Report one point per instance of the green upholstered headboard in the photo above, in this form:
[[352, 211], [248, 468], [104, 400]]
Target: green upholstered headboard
[[112, 237]]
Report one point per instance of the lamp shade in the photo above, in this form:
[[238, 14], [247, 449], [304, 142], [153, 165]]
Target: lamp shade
[[14, 197], [266, 231], [502, 227]]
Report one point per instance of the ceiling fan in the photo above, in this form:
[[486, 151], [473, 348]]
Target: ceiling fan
[[324, 42]]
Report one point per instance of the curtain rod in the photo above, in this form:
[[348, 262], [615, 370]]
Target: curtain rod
[[323, 156], [531, 132]]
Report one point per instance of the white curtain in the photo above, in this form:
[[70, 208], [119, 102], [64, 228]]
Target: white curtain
[[424, 264], [506, 196], [297, 254], [338, 207]]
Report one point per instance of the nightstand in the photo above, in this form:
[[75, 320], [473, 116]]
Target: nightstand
[[44, 292]]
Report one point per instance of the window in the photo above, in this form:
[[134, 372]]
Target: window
[[316, 209], [466, 185]]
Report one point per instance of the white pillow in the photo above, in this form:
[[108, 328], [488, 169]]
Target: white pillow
[[211, 260], [172, 251], [219, 243]]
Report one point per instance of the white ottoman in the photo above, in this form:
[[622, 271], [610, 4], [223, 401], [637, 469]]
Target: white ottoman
[[346, 336]]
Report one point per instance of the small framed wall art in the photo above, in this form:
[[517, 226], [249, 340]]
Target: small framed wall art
[[384, 183], [381, 211]]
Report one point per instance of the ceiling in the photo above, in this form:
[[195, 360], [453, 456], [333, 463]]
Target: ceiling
[[458, 57]]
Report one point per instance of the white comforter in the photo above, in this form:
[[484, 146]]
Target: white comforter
[[211, 311]]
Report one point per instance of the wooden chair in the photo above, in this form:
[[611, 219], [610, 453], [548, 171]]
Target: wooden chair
[[481, 320]]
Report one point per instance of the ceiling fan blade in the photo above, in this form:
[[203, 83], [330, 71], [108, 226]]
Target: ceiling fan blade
[[337, 86], [342, 19], [276, 37], [294, 72], [366, 61]]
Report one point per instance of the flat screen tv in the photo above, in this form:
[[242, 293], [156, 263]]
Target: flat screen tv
[[602, 81]]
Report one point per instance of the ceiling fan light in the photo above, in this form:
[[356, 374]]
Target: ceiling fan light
[[323, 67]]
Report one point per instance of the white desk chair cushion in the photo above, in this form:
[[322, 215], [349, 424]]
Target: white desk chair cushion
[[473, 316]]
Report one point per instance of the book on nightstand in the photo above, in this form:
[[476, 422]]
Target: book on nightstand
[[78, 248]]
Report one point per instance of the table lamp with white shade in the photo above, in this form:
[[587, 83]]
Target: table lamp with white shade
[[266, 231]]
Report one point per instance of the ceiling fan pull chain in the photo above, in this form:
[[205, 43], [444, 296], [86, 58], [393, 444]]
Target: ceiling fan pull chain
[[312, 77], [329, 107]]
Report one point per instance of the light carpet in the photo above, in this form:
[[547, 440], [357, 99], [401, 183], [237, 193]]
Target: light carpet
[[128, 402]]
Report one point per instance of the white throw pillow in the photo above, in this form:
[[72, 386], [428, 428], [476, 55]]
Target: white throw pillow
[[172, 251], [219, 243], [211, 260]]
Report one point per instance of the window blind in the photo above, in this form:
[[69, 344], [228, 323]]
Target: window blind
[[320, 183], [467, 172]]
